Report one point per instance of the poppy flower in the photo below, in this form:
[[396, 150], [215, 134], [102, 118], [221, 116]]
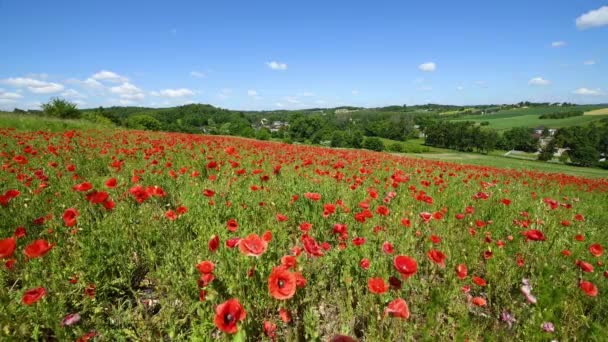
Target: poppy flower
[[377, 285], [289, 261], [405, 265], [232, 242], [19, 233], [281, 283], [205, 267], [7, 247], [86, 186], [358, 241], [33, 295], [388, 248], [270, 329], [435, 239], [171, 215], [479, 281], [38, 248], [305, 226], [253, 245], [437, 257], [596, 249], [97, 197], [69, 217], [534, 235], [395, 283], [232, 225], [397, 308], [313, 196], [589, 288], [111, 183], [461, 271], [281, 218], [584, 266], [478, 301], [459, 216], [214, 243], [364, 263], [228, 314], [285, 315]]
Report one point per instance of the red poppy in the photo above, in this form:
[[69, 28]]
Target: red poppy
[[232, 242], [96, 197], [228, 314], [437, 257], [397, 308], [214, 243], [19, 233], [478, 301], [460, 216], [7, 247], [38, 248], [289, 261], [313, 196], [281, 218], [364, 263], [305, 226], [579, 237], [405, 265], [111, 183], [270, 329], [171, 215], [267, 236], [435, 239], [388, 248], [461, 271], [232, 225], [382, 210], [205, 267], [596, 249], [342, 338], [377, 285], [585, 266], [358, 241], [281, 283], [285, 315], [253, 245], [208, 193], [86, 186], [534, 235], [90, 290], [479, 281], [33, 295], [589, 288], [69, 217]]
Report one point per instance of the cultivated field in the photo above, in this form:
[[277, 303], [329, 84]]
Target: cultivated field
[[603, 111], [132, 235]]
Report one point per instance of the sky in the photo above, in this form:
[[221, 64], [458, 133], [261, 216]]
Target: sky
[[253, 55]]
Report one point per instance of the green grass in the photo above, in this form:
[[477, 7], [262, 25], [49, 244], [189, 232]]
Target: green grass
[[529, 117], [30, 122]]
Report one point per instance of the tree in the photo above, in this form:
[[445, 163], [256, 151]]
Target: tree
[[144, 122], [373, 143], [547, 151], [61, 108], [263, 134], [585, 155]]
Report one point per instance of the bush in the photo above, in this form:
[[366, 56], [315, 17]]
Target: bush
[[61, 108], [373, 143], [144, 122], [395, 147]]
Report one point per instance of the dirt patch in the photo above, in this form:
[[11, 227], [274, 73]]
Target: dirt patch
[[602, 111]]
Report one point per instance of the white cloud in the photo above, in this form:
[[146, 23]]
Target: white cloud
[[320, 102], [73, 94], [427, 67], [274, 65], [33, 85], [181, 92], [279, 104], [105, 75], [128, 91], [539, 81], [6, 100], [354, 92], [481, 84], [9, 96], [460, 88], [426, 88], [590, 92], [197, 74], [252, 92], [224, 93], [590, 62], [595, 18], [306, 94], [558, 44]]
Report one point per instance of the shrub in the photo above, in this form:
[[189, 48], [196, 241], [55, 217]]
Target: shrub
[[61, 108], [373, 143]]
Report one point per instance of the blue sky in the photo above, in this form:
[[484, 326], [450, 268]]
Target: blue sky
[[290, 55]]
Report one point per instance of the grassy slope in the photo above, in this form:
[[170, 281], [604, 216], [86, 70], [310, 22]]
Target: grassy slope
[[30, 122], [528, 117]]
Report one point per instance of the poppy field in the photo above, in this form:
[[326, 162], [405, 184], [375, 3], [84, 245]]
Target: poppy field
[[115, 235]]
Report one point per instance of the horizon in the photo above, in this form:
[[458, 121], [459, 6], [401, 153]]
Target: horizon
[[269, 57]]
